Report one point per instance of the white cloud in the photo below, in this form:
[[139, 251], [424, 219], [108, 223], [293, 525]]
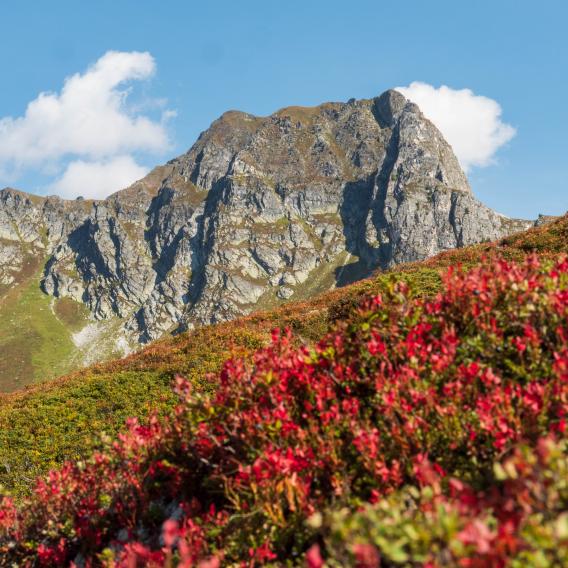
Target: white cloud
[[96, 180], [470, 123], [89, 126]]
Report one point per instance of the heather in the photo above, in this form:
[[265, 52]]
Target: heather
[[420, 431], [61, 419], [519, 520]]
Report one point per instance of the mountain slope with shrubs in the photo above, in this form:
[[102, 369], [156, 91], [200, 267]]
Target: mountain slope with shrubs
[[453, 408], [62, 419], [427, 428]]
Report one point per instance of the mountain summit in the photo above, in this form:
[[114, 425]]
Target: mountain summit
[[258, 211]]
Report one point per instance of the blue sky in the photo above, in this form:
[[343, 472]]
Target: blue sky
[[258, 56]]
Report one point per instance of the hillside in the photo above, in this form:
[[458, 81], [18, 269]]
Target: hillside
[[258, 212], [42, 337], [425, 429], [48, 423]]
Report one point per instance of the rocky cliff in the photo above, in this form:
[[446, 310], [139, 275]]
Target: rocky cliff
[[258, 211]]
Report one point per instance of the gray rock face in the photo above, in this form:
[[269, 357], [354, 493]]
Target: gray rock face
[[258, 211]]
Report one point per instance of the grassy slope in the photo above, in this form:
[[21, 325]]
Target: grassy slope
[[35, 331], [61, 419]]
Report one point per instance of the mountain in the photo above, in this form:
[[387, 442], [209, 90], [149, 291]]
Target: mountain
[[259, 211]]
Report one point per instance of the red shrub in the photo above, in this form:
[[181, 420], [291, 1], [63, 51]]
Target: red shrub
[[410, 392]]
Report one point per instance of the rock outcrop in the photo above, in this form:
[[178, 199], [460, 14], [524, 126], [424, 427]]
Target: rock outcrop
[[258, 211]]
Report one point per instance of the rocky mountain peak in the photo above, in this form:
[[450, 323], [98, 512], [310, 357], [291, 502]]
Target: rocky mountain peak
[[258, 211], [389, 106]]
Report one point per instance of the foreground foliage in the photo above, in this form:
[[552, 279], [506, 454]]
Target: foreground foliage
[[520, 519], [59, 420], [448, 414]]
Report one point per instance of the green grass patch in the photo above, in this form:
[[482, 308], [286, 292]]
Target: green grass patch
[[35, 344], [43, 430]]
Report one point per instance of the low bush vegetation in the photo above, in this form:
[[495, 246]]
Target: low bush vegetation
[[520, 519], [61, 419], [422, 430]]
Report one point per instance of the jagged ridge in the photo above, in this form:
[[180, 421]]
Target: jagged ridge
[[258, 211]]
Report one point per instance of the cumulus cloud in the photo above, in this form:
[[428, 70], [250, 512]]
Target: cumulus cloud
[[89, 128], [470, 123], [94, 180]]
